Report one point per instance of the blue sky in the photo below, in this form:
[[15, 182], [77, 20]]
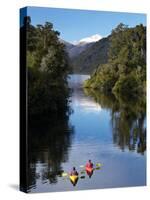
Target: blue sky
[[77, 24]]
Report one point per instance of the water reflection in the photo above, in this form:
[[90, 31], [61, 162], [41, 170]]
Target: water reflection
[[127, 120], [49, 141], [78, 98], [98, 125]]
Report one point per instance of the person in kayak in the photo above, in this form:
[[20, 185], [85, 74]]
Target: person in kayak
[[89, 164], [89, 168], [74, 172]]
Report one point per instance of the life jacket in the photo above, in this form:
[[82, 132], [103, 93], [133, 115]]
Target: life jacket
[[74, 172], [90, 165]]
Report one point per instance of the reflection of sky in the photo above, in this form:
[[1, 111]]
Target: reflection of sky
[[89, 119], [93, 140], [85, 104], [75, 81], [93, 128]]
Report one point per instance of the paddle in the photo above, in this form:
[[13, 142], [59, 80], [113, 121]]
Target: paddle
[[82, 177], [82, 166], [98, 166], [64, 174]]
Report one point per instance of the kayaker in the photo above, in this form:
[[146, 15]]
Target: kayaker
[[89, 164], [74, 172]]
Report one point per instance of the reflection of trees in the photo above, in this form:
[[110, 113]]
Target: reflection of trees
[[44, 89], [48, 141], [128, 119]]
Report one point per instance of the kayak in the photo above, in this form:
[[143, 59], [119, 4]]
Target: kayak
[[89, 169], [74, 178]]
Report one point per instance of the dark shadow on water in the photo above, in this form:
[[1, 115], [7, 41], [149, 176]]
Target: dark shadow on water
[[49, 139]]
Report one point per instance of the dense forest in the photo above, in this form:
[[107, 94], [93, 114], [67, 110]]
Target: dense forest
[[125, 72], [47, 67]]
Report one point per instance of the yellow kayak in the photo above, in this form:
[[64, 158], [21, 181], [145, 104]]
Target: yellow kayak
[[73, 178]]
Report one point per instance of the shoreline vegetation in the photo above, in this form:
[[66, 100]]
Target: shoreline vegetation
[[125, 73], [48, 67]]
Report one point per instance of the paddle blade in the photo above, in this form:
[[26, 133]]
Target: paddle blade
[[98, 165], [82, 177], [64, 174], [81, 166], [97, 168]]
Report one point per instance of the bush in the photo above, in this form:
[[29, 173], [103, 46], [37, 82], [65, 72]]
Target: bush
[[129, 85]]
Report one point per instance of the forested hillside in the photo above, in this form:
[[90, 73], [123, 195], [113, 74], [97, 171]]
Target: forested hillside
[[125, 72], [94, 55], [47, 67]]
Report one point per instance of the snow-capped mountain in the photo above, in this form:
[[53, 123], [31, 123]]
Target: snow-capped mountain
[[75, 48], [87, 53], [91, 39]]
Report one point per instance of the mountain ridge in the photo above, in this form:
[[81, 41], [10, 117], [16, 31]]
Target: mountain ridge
[[77, 47], [93, 56], [88, 53]]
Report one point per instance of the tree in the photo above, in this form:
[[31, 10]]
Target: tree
[[126, 67], [48, 68]]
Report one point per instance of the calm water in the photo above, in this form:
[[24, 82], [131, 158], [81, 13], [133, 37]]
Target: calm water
[[99, 128]]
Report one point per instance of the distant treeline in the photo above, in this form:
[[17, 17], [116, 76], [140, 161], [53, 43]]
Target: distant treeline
[[47, 67], [125, 71]]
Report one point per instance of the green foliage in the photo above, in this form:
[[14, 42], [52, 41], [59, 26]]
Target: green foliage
[[125, 72], [30, 59], [48, 67], [55, 62], [31, 34], [46, 96], [128, 83]]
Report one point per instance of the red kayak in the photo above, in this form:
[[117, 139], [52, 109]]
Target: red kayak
[[89, 169]]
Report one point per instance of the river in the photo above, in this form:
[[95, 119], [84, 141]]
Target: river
[[98, 128]]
